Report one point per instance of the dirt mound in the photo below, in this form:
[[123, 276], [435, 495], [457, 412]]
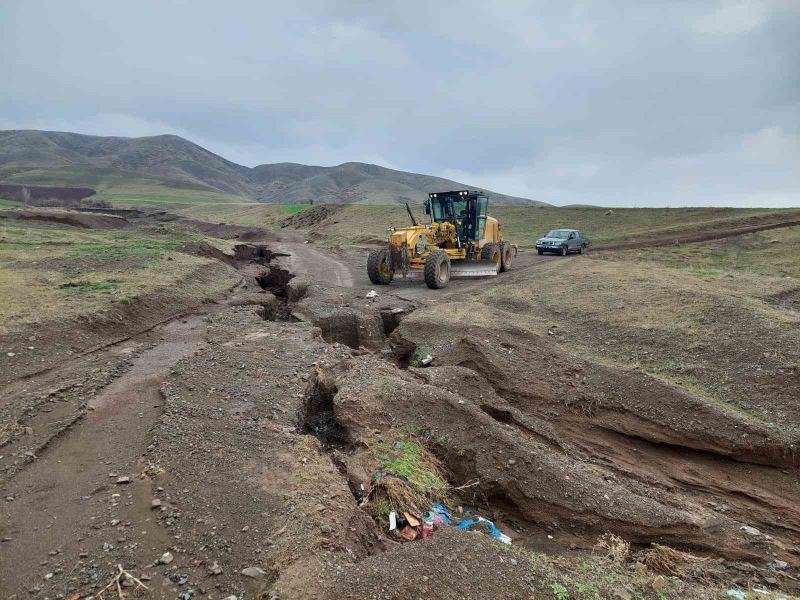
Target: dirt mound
[[76, 219], [312, 216], [27, 193]]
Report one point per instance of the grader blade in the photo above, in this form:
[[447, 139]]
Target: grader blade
[[473, 268]]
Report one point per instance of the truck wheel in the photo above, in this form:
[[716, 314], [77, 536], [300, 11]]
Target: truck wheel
[[506, 256], [437, 270], [378, 267], [492, 252], [564, 250], [580, 249], [541, 252]]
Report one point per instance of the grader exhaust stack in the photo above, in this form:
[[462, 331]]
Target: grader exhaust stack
[[461, 240]]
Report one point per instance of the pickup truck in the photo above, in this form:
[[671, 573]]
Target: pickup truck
[[562, 241]]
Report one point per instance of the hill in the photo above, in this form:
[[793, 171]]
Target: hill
[[168, 164]]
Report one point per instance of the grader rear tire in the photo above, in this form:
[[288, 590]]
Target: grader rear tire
[[492, 252], [506, 256], [378, 267], [437, 270]]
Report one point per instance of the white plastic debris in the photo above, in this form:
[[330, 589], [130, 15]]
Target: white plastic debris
[[372, 294], [392, 521]]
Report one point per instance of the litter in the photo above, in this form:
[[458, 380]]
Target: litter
[[409, 533], [372, 294], [493, 530], [738, 594], [441, 516], [411, 519], [392, 521]]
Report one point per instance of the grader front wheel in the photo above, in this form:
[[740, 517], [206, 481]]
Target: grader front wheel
[[378, 267], [492, 252], [506, 255], [437, 270]]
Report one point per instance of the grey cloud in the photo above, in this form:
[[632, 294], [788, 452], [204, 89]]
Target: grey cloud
[[617, 103]]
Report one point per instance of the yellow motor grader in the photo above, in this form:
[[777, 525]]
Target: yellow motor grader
[[461, 240]]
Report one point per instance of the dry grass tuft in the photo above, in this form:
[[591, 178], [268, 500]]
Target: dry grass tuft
[[613, 547], [663, 559]]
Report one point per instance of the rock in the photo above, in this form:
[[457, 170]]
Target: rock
[[166, 558], [620, 594], [750, 530], [372, 294], [231, 597], [325, 529], [214, 569], [780, 565], [9, 498], [10, 354], [156, 503], [115, 522], [123, 480], [254, 572], [659, 583]]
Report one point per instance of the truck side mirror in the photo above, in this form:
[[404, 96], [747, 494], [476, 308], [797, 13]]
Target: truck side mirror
[[427, 206]]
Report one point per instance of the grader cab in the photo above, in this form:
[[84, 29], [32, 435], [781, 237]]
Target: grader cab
[[460, 240]]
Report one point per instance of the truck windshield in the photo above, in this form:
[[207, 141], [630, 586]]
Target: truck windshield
[[561, 234]]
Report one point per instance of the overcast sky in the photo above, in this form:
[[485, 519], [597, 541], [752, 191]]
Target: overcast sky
[[629, 103]]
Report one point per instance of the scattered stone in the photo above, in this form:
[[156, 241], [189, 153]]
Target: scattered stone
[[750, 530], [254, 572], [214, 569], [166, 558], [156, 503], [780, 565], [115, 522], [123, 480], [9, 498], [372, 294]]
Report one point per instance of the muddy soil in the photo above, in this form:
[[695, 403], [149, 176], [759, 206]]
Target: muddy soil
[[234, 437]]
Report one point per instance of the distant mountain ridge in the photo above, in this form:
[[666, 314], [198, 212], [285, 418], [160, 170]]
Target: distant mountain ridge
[[168, 161]]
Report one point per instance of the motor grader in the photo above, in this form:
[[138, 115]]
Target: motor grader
[[460, 240]]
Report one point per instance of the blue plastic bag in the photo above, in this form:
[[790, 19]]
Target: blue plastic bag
[[493, 530], [441, 515]]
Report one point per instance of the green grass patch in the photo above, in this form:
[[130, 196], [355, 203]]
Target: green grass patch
[[410, 460], [4, 202]]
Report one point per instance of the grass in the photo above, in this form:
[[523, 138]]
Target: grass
[[52, 271], [5, 203], [772, 253], [356, 224]]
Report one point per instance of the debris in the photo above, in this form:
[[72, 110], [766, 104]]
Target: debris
[[214, 569], [493, 530], [392, 521], [254, 572], [613, 547], [738, 594], [372, 294], [750, 530], [426, 361], [166, 558], [409, 533], [427, 527], [123, 480], [780, 565], [118, 581], [412, 520], [156, 503], [115, 522]]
